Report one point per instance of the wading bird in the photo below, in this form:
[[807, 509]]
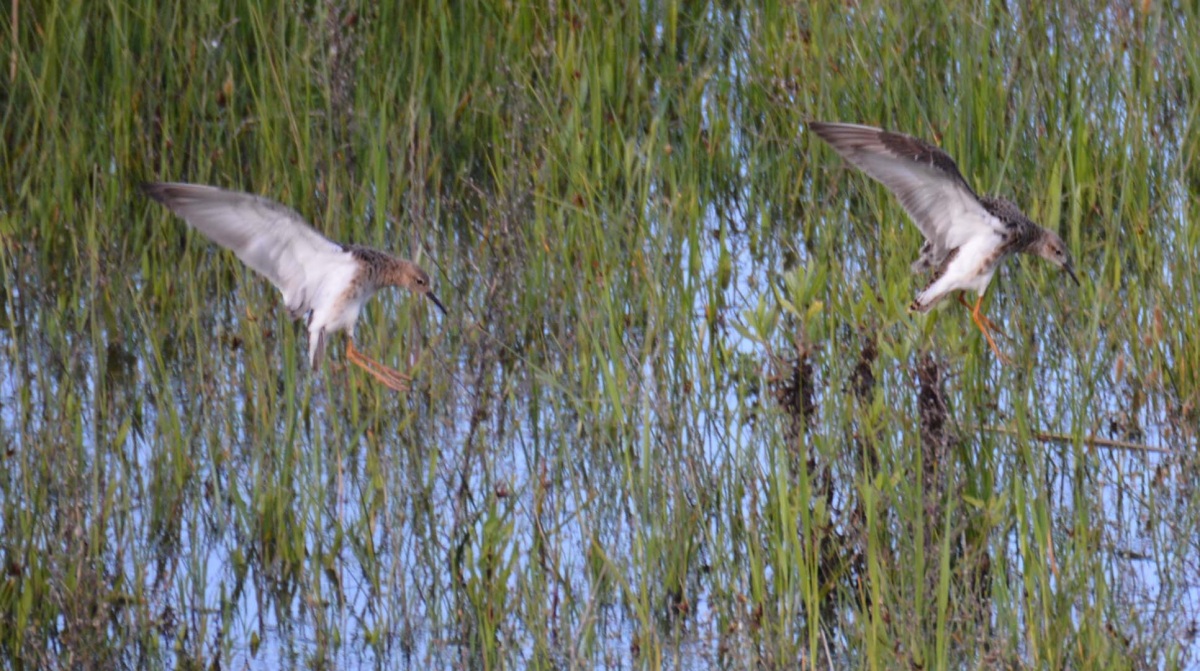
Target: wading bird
[[967, 236], [326, 280]]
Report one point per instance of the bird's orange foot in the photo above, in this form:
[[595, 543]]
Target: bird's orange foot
[[986, 326], [999, 355], [978, 316], [390, 377]]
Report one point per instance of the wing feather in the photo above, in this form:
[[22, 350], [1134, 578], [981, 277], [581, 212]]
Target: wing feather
[[269, 237], [923, 177]]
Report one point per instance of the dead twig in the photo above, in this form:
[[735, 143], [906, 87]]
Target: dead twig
[[1090, 441]]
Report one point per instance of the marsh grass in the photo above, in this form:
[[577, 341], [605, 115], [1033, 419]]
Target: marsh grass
[[677, 415]]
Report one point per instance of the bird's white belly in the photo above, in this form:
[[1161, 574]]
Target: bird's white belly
[[332, 309], [344, 315], [971, 269], [968, 271]]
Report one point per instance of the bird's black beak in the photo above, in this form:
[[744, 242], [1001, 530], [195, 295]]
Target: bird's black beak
[[1071, 271], [443, 307]]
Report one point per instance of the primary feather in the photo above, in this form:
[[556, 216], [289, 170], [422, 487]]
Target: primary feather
[[307, 267], [923, 177]]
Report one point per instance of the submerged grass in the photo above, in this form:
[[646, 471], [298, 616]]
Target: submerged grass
[[677, 414]]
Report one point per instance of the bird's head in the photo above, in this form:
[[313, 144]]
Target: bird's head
[[417, 280], [1054, 250]]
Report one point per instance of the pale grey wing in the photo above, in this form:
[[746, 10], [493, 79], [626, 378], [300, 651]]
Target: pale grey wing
[[924, 178], [267, 236]]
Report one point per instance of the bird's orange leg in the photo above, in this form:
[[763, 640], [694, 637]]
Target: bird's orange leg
[[980, 321], [991, 325], [391, 377]]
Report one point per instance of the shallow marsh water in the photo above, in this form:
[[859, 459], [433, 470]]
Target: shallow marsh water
[[677, 415]]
